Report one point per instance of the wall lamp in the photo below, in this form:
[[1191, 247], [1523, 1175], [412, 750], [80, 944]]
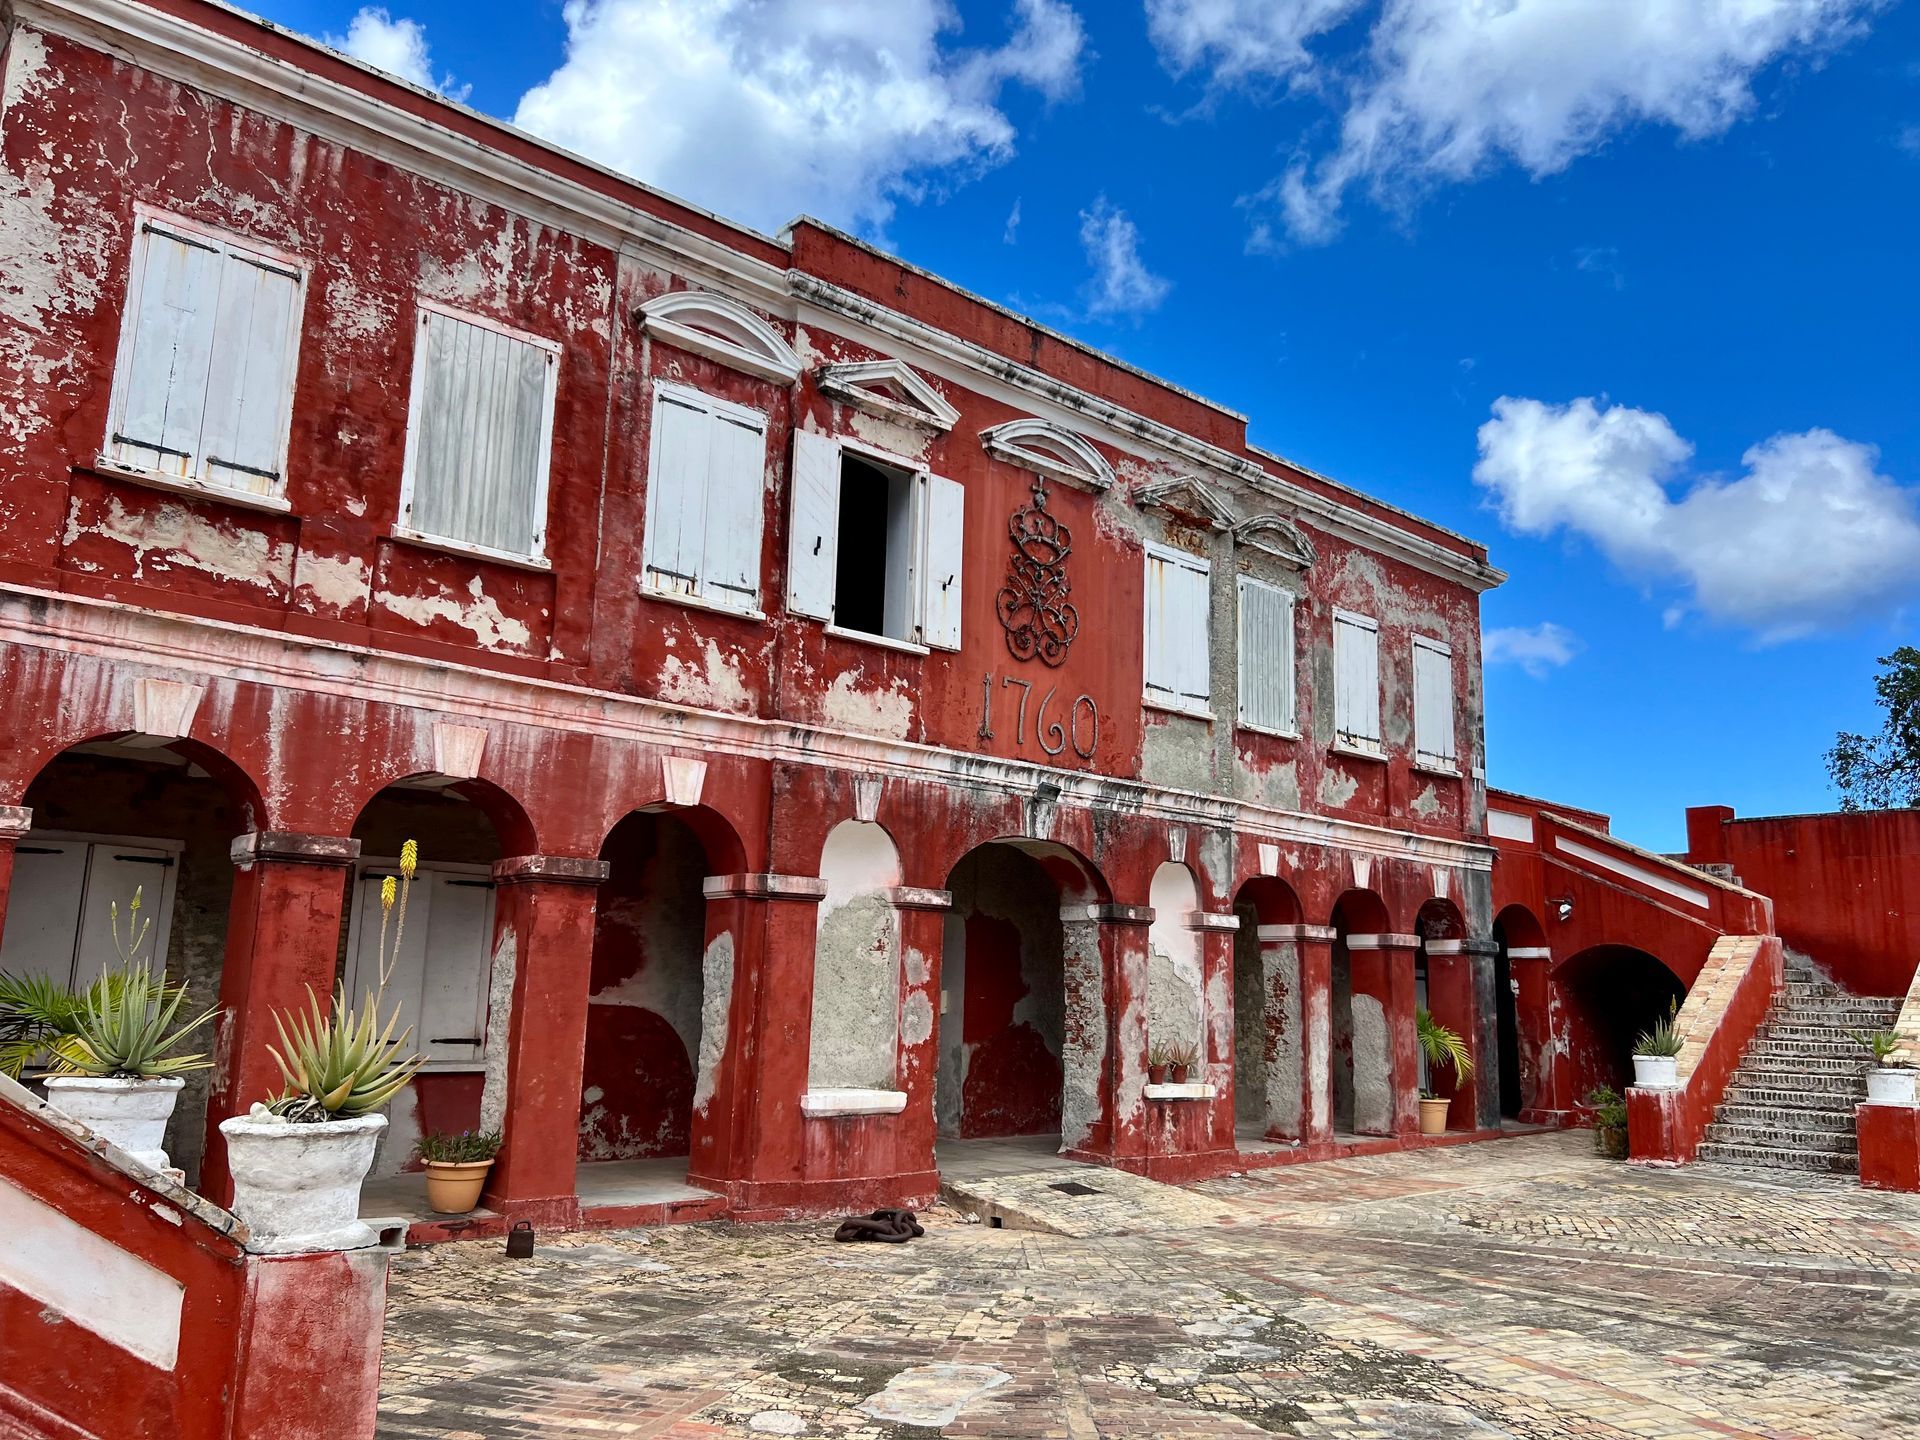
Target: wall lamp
[[1562, 908]]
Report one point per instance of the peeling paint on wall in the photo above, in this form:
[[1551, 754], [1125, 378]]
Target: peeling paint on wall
[[880, 712], [715, 682], [481, 615]]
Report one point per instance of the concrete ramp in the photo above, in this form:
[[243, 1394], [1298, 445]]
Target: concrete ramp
[[1079, 1200]]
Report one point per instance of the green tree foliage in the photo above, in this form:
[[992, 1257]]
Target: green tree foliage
[[1882, 771]]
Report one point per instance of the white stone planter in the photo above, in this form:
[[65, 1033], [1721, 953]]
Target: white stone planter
[[130, 1113], [1656, 1072], [298, 1186], [1890, 1085]]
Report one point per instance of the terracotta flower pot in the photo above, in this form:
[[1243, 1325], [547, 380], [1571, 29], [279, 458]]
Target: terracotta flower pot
[[1177, 1074], [453, 1188], [1433, 1116], [1157, 1074]]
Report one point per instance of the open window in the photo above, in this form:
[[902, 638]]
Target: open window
[[704, 483], [876, 543], [203, 384], [1433, 728]]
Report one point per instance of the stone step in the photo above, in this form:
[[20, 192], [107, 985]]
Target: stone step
[[1841, 1051], [1810, 1102], [1767, 1158], [1868, 1007], [1785, 1117], [1802, 1029], [1798, 1080], [1779, 1138]]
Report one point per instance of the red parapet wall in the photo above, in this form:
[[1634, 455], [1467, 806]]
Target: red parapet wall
[[1889, 1146], [1724, 1010]]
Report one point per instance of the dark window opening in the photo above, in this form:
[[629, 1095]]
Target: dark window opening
[[873, 573]]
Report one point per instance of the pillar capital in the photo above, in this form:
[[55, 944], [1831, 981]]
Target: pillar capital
[[1529, 952], [913, 897], [805, 888], [1208, 920], [1293, 934], [1383, 942], [15, 821], [293, 848], [1107, 914], [548, 870]]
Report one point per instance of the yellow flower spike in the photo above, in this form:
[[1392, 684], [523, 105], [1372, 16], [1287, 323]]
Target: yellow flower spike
[[389, 892], [409, 858]]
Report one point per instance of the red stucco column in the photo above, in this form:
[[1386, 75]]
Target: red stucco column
[[1450, 1000], [748, 1138], [1530, 968], [1315, 946], [1386, 1067], [283, 939], [544, 915], [923, 920], [15, 821], [1889, 1146], [1104, 1045], [1216, 1116]]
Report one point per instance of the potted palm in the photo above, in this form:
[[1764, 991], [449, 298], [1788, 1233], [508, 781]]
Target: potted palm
[[112, 1048], [298, 1160], [1609, 1122], [1441, 1046], [1655, 1066], [457, 1167], [1889, 1082]]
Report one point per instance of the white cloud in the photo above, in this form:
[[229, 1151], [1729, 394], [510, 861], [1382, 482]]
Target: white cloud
[[764, 109], [1237, 40], [1536, 649], [1122, 284], [1450, 89], [398, 47], [1012, 232], [1810, 537]]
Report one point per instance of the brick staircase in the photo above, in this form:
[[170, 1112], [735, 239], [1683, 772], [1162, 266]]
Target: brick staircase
[[1790, 1104]]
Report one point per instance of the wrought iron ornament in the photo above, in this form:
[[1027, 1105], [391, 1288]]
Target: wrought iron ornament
[[1033, 607]]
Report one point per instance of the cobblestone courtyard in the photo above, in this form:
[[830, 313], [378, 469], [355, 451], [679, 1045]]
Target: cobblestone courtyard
[[1517, 1288]]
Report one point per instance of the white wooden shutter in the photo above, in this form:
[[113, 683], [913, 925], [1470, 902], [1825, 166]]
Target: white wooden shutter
[[736, 477], [43, 909], [1266, 656], [1178, 665], [676, 494], [1356, 689], [442, 965], [1190, 637], [250, 377], [1161, 680], [813, 539], [1433, 730], [164, 381], [114, 872], [941, 571], [482, 427]]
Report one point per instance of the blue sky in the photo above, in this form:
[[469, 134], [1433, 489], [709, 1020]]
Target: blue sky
[[1676, 235]]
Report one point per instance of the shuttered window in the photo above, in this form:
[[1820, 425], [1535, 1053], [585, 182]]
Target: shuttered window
[[1266, 656], [1177, 652], [443, 964], [1356, 680], [203, 386], [61, 914], [479, 436], [1433, 731], [704, 486]]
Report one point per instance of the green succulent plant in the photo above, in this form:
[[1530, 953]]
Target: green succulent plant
[[337, 1065], [1883, 1045], [128, 1024], [1664, 1038]]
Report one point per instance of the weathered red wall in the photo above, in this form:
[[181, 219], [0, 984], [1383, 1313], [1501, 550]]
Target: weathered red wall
[[1843, 885]]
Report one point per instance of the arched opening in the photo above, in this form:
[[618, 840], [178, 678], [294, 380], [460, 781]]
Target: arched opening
[[1515, 928], [657, 1002], [1176, 1000], [1007, 1071], [441, 969], [1269, 1014], [124, 813], [1609, 994], [1360, 1052], [855, 1037]]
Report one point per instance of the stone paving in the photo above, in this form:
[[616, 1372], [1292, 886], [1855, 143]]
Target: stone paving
[[1517, 1288]]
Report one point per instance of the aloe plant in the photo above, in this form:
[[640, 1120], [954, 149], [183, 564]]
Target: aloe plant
[[128, 1024], [1664, 1038], [1442, 1046]]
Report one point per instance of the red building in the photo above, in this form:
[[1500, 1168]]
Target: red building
[[840, 718]]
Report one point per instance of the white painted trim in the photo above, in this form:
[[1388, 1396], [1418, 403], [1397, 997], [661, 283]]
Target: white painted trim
[[88, 1280], [696, 602], [747, 417], [223, 652], [446, 545], [1383, 941], [1529, 952], [1354, 750], [1507, 825], [1154, 700], [849, 381], [670, 317], [1443, 947], [1193, 1091], [1157, 493], [220, 494], [1015, 443], [1276, 934], [820, 1104], [868, 637], [1644, 875], [1297, 552]]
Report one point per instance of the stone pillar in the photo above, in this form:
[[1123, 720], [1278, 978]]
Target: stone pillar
[[15, 821], [1481, 953], [923, 919], [1104, 1047], [283, 939], [543, 924], [1297, 1031], [1531, 967], [1386, 1053], [747, 1122]]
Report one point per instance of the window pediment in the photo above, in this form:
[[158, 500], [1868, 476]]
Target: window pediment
[[890, 389], [721, 330], [1278, 537], [1186, 495], [1049, 450]]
